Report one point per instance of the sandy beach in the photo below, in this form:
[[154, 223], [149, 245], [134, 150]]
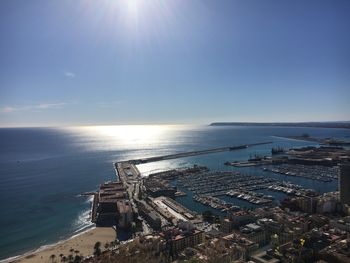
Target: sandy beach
[[83, 242]]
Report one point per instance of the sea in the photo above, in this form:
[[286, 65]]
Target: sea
[[43, 171]]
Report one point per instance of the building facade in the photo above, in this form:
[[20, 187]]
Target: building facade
[[344, 183]]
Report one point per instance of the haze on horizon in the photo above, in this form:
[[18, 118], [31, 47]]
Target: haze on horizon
[[149, 62]]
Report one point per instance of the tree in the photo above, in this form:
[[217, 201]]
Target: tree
[[77, 259], [97, 248], [112, 244], [106, 245]]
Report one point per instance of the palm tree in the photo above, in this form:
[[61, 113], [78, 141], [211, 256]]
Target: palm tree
[[111, 244], [71, 257], [106, 245], [97, 248], [77, 259], [52, 257]]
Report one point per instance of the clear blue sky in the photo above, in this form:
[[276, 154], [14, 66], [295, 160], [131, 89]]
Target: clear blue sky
[[126, 62]]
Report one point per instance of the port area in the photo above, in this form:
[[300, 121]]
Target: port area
[[148, 204], [173, 211], [189, 206], [313, 172], [113, 203], [322, 141], [127, 171], [131, 202], [208, 188], [194, 153], [259, 161], [315, 163]]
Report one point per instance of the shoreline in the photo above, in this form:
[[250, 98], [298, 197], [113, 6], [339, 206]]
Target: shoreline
[[83, 242], [324, 124]]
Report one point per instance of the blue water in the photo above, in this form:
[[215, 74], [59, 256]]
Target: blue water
[[43, 170]]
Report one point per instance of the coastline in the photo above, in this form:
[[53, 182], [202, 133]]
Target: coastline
[[83, 242], [330, 124]]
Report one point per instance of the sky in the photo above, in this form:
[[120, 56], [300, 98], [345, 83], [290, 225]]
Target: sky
[[89, 62]]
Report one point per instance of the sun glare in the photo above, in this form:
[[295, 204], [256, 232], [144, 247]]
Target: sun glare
[[113, 137], [134, 133], [132, 21], [133, 7]]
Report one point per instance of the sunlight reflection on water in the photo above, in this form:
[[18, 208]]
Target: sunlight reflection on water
[[128, 137], [149, 168]]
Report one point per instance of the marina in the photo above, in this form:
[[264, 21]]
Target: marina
[[250, 196], [219, 182], [209, 187], [321, 141], [216, 203], [313, 172]]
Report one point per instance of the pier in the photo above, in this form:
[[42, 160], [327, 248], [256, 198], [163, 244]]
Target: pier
[[193, 153]]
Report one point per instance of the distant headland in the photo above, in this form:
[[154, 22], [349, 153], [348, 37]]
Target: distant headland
[[338, 124]]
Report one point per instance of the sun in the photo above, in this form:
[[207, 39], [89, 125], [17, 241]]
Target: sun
[[132, 13]]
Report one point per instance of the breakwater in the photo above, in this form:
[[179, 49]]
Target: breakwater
[[194, 153]]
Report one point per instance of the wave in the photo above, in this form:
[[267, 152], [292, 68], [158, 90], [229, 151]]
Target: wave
[[82, 222]]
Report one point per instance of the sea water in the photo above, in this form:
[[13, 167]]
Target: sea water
[[43, 171]]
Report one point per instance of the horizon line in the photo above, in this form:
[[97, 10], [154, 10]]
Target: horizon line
[[174, 124]]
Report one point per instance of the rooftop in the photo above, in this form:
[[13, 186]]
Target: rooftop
[[123, 206]]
